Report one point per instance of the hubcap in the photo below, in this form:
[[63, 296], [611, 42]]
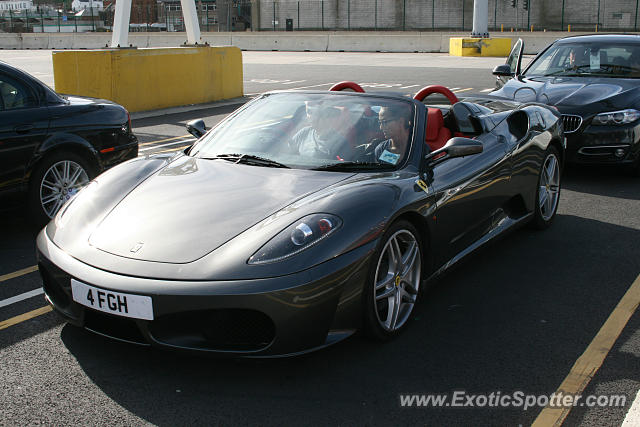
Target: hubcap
[[397, 280], [61, 182], [549, 191]]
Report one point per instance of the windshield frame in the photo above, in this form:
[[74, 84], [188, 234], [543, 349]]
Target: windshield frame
[[412, 151]]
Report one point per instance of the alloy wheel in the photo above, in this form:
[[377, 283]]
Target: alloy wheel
[[397, 280], [59, 184]]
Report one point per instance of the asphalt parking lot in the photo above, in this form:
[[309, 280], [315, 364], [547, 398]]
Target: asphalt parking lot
[[514, 317]]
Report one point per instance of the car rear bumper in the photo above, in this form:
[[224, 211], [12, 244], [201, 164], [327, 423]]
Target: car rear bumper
[[294, 314]]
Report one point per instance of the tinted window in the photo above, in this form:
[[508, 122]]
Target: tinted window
[[14, 94]]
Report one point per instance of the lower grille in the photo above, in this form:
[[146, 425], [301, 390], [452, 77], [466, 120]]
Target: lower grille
[[220, 329], [116, 327], [571, 123]]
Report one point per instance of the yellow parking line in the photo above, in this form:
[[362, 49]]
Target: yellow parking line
[[19, 273], [172, 149], [26, 316], [164, 140], [588, 364]]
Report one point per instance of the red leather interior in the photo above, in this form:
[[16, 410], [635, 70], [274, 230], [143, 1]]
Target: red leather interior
[[437, 134]]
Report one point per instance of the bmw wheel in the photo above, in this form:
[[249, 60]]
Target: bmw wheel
[[394, 281], [54, 182], [548, 191]]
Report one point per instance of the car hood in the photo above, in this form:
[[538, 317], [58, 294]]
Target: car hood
[[572, 91], [191, 206]]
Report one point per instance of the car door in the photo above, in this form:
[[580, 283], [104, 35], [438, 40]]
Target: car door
[[24, 124], [512, 67], [469, 192]]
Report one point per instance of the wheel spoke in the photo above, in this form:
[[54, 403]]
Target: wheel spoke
[[397, 254], [409, 259], [388, 280], [75, 176], [551, 166], [395, 311], [50, 199], [386, 294], [56, 175], [66, 168], [543, 196], [407, 297]]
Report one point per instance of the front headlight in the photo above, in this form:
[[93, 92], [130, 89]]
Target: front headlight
[[297, 237], [616, 117]]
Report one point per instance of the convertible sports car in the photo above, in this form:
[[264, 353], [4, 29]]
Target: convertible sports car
[[594, 82], [299, 219], [53, 145]]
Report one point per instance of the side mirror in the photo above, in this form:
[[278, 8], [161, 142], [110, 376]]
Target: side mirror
[[196, 128], [503, 70], [455, 147]]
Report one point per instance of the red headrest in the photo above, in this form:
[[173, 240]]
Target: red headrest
[[435, 122]]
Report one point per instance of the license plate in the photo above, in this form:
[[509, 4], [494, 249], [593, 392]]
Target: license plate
[[120, 304]]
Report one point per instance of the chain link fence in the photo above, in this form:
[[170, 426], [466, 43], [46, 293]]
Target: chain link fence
[[340, 15]]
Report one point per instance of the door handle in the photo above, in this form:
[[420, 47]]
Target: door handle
[[23, 128]]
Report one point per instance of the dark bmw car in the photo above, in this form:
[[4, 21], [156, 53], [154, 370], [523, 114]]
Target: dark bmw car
[[53, 145], [299, 219], [594, 81]]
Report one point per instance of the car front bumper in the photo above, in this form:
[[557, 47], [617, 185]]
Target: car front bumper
[[260, 318], [604, 145]]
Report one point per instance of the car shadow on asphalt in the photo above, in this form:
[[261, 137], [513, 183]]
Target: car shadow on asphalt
[[607, 180], [513, 317]]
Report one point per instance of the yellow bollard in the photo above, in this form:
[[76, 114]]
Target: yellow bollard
[[532, 28], [502, 28], [569, 30], [596, 28]]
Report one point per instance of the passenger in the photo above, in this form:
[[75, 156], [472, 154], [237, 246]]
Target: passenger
[[320, 139], [396, 126]]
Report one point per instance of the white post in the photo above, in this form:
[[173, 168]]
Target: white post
[[480, 18], [190, 20], [120, 37]]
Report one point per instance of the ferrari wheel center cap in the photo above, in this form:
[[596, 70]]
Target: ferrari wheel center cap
[[397, 281]]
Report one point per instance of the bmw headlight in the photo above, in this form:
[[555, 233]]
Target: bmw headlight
[[297, 237], [616, 117]]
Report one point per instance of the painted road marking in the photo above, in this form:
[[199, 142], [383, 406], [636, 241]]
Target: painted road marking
[[173, 149], [23, 317], [487, 90], [462, 90], [167, 144], [164, 140], [633, 416], [21, 297], [294, 82], [588, 364], [407, 87], [19, 273]]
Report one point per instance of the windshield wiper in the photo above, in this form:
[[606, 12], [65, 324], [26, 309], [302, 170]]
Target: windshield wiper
[[354, 165], [248, 159]]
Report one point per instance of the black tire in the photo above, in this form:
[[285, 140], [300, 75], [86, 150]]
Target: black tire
[[41, 213], [544, 214], [403, 232]]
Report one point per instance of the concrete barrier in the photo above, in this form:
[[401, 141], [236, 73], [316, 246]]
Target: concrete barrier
[[151, 78], [348, 41], [376, 42], [11, 41], [288, 41]]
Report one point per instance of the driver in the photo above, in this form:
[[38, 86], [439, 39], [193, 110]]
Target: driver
[[396, 126], [320, 139]]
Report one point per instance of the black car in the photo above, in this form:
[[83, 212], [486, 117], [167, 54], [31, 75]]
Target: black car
[[594, 81], [52, 145], [299, 219]]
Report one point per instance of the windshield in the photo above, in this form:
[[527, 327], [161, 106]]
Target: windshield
[[588, 59], [314, 131]]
